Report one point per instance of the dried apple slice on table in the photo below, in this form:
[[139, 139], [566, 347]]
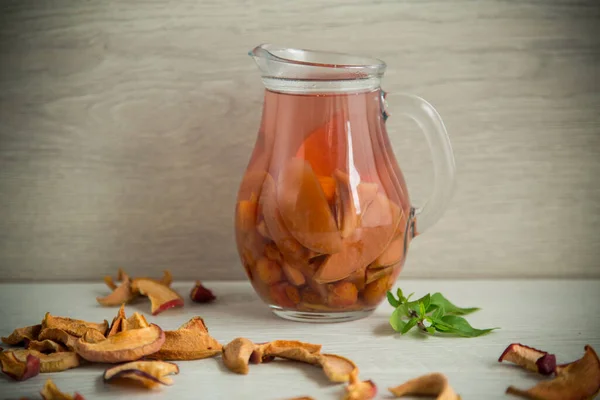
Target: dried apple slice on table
[[121, 294], [23, 335], [54, 362], [304, 208], [51, 392], [18, 369], [530, 358], [75, 327], [577, 380], [151, 374], [161, 296], [59, 336], [360, 390], [433, 385], [46, 346], [128, 345], [190, 342]]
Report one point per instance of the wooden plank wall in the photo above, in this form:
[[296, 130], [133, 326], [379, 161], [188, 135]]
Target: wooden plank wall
[[125, 127]]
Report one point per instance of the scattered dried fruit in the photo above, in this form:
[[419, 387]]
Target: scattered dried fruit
[[360, 390], [240, 352], [54, 362], [201, 294], [17, 369], [190, 342], [128, 345], [236, 355], [136, 321], [93, 336], [46, 346], [435, 384], [161, 296], [60, 336], [51, 392], [151, 374], [116, 325], [75, 327], [121, 295], [530, 358], [24, 334], [577, 380]]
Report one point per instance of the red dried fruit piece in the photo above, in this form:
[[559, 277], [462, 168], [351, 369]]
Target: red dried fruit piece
[[19, 370], [190, 342], [435, 384], [120, 295], [201, 294], [305, 210], [360, 390], [574, 381], [24, 334], [129, 345], [51, 392], [151, 374], [161, 296], [529, 358]]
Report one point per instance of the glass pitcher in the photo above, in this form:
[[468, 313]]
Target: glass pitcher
[[323, 216]]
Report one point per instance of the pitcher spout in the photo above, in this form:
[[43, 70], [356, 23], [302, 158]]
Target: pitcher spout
[[302, 70]]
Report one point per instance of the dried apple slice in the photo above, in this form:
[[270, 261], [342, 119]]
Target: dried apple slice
[[280, 234], [328, 186], [374, 274], [51, 392], [530, 358], [24, 334], [17, 369], [435, 384], [93, 336], [122, 294], [375, 291], [360, 390], [347, 217], [117, 322], [136, 321], [337, 368], [200, 294], [151, 374], [577, 380], [129, 345], [60, 336], [46, 346], [246, 214], [236, 355], [392, 254], [161, 296], [342, 294], [54, 362], [268, 271], [190, 342], [75, 327], [305, 210], [294, 276]]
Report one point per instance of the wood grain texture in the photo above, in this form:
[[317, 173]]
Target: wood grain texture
[[125, 128], [389, 359]]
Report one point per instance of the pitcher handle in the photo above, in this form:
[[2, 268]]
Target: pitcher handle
[[444, 167]]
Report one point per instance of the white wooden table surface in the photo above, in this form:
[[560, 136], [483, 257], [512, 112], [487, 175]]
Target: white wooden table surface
[[557, 316]]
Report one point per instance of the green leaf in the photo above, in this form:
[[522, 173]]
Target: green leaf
[[422, 309], [409, 296], [396, 319], [414, 307], [460, 326], [439, 312], [400, 295], [439, 300], [409, 325], [392, 300], [430, 330]]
